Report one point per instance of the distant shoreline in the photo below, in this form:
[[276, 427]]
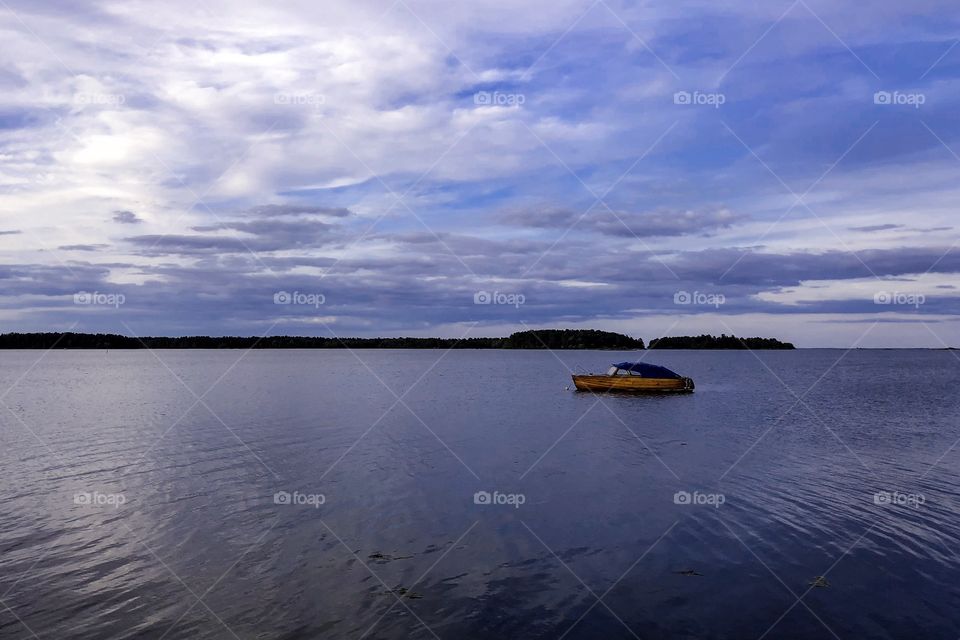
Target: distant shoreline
[[539, 339], [532, 340], [458, 349]]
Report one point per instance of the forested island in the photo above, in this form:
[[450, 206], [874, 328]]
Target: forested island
[[722, 342], [533, 339]]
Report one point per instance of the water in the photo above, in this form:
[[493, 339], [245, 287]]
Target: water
[[184, 538]]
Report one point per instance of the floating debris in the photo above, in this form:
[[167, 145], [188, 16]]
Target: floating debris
[[381, 558], [688, 572], [820, 581], [403, 592]]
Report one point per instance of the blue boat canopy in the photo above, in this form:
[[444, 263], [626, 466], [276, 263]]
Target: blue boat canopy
[[647, 370]]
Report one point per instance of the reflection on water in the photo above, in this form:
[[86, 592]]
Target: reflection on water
[[305, 494]]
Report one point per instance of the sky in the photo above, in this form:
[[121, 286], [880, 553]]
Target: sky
[[422, 167]]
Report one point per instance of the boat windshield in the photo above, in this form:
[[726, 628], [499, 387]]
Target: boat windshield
[[642, 369], [618, 371]]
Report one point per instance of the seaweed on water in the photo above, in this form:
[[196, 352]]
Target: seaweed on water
[[381, 558], [403, 592]]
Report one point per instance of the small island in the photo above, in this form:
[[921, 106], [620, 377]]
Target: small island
[[557, 339], [722, 342]]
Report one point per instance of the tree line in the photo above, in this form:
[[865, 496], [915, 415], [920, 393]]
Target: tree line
[[559, 339], [722, 341]]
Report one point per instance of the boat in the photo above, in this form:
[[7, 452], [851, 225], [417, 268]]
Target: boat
[[634, 377]]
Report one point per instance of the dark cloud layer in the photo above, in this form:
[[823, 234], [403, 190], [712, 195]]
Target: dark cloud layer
[[255, 237], [269, 211], [876, 227], [426, 285], [126, 217], [82, 247], [625, 224]]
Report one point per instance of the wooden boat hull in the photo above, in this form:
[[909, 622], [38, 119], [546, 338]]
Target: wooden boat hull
[[632, 384]]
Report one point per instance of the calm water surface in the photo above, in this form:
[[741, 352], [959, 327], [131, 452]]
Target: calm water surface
[[138, 496]]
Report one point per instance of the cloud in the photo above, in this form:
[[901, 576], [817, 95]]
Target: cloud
[[126, 217], [876, 227], [253, 236], [82, 247], [779, 269], [283, 210], [624, 224]]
